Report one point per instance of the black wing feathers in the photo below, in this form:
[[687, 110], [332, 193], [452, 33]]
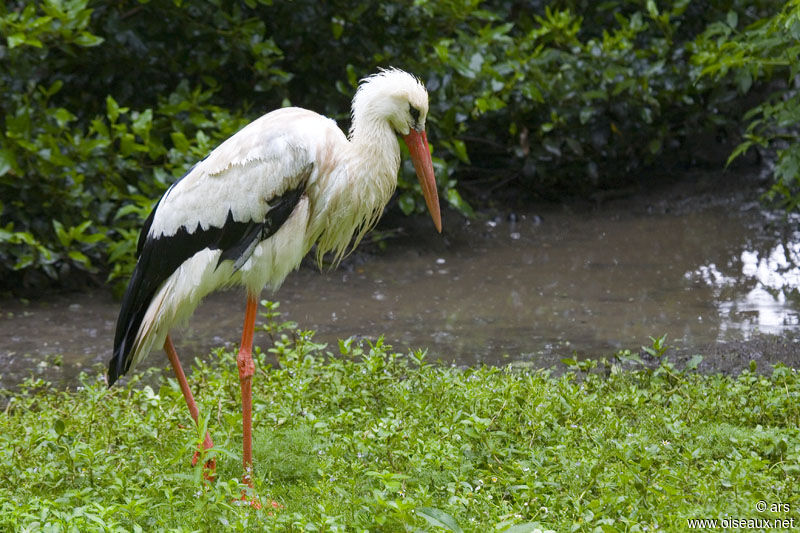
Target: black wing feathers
[[145, 230], [160, 257]]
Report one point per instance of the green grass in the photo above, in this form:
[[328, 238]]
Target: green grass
[[382, 441]]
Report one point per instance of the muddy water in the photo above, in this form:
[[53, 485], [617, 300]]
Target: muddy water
[[703, 263]]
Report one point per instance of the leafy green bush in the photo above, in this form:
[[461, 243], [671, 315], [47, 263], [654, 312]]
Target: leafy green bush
[[105, 104], [78, 170], [765, 50], [35, 148], [577, 96]]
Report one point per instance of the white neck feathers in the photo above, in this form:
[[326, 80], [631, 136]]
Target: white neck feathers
[[361, 183]]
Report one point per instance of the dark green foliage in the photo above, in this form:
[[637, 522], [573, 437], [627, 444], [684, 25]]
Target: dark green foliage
[[744, 55], [577, 96], [79, 170], [106, 104]]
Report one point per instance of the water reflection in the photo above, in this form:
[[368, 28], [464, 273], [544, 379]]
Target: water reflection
[[760, 293]]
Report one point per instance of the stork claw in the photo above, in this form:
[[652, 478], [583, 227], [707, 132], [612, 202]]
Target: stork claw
[[249, 498], [210, 468], [255, 502]]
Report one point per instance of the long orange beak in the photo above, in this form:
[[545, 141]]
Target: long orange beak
[[417, 143]]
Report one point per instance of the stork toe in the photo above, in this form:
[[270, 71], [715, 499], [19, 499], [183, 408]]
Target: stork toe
[[209, 469]]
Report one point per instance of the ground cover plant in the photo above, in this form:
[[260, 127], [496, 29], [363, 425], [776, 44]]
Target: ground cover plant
[[370, 439]]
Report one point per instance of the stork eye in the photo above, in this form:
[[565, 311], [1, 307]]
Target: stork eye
[[414, 113]]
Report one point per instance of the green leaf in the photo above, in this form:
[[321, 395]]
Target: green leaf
[[438, 518], [113, 110], [788, 168], [142, 122], [53, 89], [476, 62], [652, 8], [406, 203], [63, 236], [179, 141], [15, 39], [460, 150], [732, 19], [23, 261], [575, 146], [337, 27], [744, 80], [62, 116], [99, 126], [455, 199], [694, 362], [8, 162], [92, 238], [442, 49], [87, 39], [742, 148], [79, 257], [489, 103]]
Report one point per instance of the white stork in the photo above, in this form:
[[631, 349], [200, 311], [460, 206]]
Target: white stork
[[249, 212]]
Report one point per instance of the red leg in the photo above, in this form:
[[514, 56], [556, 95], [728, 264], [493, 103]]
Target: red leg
[[172, 355], [246, 370]]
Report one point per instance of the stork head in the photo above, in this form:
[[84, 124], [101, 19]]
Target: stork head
[[400, 99]]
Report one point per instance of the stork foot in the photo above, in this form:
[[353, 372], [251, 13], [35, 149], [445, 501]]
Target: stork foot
[[210, 468], [248, 498]]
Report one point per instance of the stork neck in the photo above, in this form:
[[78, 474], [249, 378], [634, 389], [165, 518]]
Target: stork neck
[[374, 145], [369, 130], [352, 196]]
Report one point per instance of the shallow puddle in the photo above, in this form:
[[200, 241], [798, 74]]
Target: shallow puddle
[[709, 268]]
